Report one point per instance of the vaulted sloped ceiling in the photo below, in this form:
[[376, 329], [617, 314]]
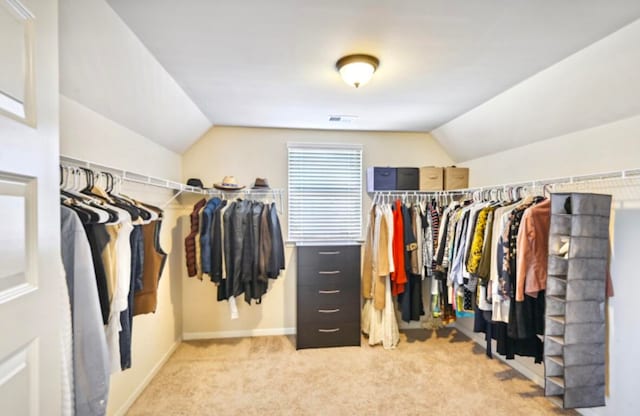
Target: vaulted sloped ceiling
[[596, 86], [271, 64]]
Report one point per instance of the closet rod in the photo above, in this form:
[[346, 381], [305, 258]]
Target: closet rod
[[257, 192], [129, 176], [276, 193], [620, 175]]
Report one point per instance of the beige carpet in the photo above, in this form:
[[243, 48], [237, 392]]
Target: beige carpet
[[430, 373]]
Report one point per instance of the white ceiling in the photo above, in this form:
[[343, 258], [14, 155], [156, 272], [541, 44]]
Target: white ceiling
[[593, 87], [271, 63]]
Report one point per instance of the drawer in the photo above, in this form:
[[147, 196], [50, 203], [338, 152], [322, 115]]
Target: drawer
[[315, 297], [329, 315], [328, 279], [322, 335], [343, 306], [329, 258]]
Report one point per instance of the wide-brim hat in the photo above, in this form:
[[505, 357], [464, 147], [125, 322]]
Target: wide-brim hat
[[261, 183], [229, 183]]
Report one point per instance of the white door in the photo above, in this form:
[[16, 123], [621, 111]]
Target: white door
[[30, 275]]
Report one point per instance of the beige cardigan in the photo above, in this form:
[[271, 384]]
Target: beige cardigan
[[375, 266]]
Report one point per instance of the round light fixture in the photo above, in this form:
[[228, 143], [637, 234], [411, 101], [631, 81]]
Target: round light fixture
[[357, 70]]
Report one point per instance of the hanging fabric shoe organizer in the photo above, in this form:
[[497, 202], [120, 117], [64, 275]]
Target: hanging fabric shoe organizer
[[575, 327]]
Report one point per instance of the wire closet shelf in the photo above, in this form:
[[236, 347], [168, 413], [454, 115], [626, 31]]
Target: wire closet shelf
[[608, 182], [124, 175]]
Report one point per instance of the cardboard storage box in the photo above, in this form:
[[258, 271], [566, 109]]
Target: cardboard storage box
[[381, 179], [456, 178], [431, 178], [407, 179]]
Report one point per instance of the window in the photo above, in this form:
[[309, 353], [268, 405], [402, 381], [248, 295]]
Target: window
[[325, 192]]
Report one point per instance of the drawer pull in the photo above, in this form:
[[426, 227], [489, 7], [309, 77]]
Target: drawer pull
[[330, 272], [328, 253], [328, 292], [329, 330], [328, 310]]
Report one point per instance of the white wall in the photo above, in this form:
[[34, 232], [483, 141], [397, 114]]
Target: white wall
[[121, 108], [85, 134], [91, 136], [609, 147], [104, 66], [248, 153], [605, 148]]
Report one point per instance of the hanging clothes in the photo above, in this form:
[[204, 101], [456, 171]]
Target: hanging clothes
[[499, 293], [190, 241], [91, 360], [441, 304], [136, 241], [475, 272], [410, 300], [146, 299], [514, 325], [276, 258], [98, 240], [241, 247], [109, 221], [399, 276], [368, 259], [120, 233], [379, 321], [216, 243], [206, 240], [533, 249]]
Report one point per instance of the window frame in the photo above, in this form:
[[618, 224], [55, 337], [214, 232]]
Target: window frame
[[352, 197]]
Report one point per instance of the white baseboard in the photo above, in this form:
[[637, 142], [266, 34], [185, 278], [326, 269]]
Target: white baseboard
[[238, 333], [138, 391], [594, 411]]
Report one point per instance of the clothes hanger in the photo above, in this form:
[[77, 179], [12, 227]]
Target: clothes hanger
[[517, 193], [147, 212], [546, 190], [97, 198], [105, 203], [118, 201], [64, 183], [526, 196], [77, 201]]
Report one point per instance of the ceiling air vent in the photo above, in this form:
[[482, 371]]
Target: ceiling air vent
[[342, 118]]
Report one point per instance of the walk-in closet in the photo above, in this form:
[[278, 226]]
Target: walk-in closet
[[319, 208]]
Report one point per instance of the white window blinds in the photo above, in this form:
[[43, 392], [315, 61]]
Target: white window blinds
[[325, 192]]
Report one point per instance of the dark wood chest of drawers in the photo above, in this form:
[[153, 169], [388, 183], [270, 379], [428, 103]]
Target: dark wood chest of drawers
[[328, 301]]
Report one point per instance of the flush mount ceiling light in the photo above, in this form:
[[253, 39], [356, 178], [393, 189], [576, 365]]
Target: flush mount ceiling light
[[357, 70]]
